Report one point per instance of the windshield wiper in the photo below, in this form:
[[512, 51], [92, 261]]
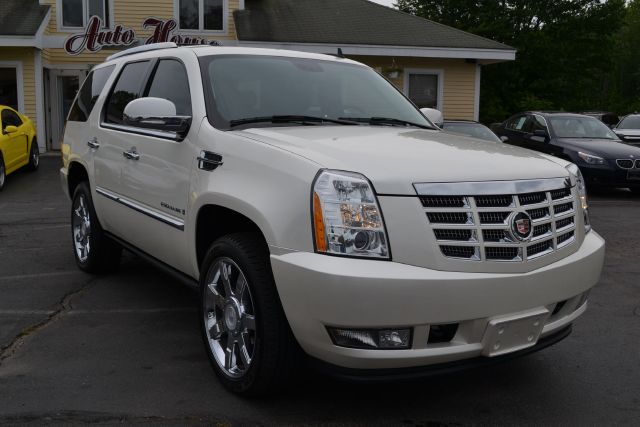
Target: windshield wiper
[[289, 119], [386, 121]]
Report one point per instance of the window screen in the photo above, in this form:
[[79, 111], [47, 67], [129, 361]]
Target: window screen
[[89, 93], [423, 90], [170, 82], [127, 88]]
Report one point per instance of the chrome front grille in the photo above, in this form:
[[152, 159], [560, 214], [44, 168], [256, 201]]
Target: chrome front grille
[[478, 227]]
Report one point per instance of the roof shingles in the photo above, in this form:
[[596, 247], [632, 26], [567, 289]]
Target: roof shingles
[[21, 17], [348, 22]]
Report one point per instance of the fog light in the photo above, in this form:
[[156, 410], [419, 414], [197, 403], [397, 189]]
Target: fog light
[[383, 339]]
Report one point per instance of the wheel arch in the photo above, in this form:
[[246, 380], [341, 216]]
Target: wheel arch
[[77, 174], [214, 220]]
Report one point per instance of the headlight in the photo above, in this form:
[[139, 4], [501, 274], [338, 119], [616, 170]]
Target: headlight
[[582, 193], [346, 216], [591, 159]]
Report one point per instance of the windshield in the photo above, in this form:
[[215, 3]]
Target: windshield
[[580, 127], [475, 130], [299, 91], [629, 122]]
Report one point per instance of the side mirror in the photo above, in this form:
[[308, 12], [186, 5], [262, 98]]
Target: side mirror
[[10, 129], [504, 138], [435, 116], [540, 135], [156, 114]]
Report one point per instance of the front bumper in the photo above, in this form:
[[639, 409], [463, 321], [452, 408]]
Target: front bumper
[[319, 291], [609, 176]]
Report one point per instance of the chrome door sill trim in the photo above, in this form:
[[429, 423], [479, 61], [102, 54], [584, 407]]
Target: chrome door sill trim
[[173, 222]]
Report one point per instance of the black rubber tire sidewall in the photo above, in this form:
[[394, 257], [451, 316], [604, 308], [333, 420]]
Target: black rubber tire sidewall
[[272, 366], [4, 172], [104, 254], [34, 146]]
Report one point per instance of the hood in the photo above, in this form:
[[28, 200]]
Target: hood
[[604, 148], [627, 132], [394, 158]]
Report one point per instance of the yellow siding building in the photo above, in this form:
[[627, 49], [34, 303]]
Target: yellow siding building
[[47, 47]]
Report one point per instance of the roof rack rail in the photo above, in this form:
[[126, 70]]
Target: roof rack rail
[[144, 48]]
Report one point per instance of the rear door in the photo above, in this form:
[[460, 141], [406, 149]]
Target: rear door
[[514, 130]]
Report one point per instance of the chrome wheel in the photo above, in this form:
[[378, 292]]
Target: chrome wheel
[[81, 226], [229, 318]]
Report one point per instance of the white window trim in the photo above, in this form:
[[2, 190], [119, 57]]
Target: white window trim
[[225, 19], [62, 29], [430, 71], [19, 80]]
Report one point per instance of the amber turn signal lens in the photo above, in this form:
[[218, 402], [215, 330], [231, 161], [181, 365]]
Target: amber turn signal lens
[[318, 224]]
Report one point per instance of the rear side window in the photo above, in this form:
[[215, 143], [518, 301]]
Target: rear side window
[[170, 82], [128, 87], [88, 95]]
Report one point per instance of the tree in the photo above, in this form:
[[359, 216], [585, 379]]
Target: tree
[[565, 50]]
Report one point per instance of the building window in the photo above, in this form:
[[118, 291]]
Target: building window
[[424, 88], [9, 87], [202, 15], [76, 13]]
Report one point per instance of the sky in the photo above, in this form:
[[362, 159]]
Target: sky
[[384, 2]]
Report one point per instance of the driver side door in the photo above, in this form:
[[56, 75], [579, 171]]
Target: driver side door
[[16, 144]]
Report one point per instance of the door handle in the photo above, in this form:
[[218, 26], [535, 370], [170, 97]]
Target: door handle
[[93, 143], [131, 154]]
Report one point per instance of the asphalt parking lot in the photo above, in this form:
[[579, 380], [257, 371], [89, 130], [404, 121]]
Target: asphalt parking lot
[[125, 348]]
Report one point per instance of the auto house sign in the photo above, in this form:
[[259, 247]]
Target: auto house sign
[[95, 37]]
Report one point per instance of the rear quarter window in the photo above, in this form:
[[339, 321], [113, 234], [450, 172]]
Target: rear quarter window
[[89, 93]]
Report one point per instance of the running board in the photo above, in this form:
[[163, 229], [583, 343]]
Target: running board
[[178, 275]]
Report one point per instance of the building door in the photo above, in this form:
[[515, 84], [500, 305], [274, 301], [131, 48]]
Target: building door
[[9, 87], [63, 86]]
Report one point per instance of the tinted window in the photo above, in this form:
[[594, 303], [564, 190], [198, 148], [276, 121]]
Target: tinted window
[[580, 127], [88, 95], [630, 122], [127, 88], [170, 82], [9, 118], [516, 123], [241, 87]]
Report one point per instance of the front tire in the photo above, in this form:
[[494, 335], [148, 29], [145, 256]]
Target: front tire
[[93, 250], [246, 335], [3, 172], [34, 156]]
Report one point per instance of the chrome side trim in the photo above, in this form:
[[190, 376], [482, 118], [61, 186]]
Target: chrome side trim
[[487, 188], [169, 220], [172, 136]]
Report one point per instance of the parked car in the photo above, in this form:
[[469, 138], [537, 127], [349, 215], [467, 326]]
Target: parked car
[[628, 129], [18, 143], [603, 159], [332, 220], [607, 117], [470, 128]]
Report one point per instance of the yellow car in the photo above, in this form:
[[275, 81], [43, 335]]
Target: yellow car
[[18, 144]]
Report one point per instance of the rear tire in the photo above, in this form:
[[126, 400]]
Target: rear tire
[[34, 156], [93, 250], [246, 335]]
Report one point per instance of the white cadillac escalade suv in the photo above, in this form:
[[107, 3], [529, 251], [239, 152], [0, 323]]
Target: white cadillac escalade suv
[[320, 213]]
